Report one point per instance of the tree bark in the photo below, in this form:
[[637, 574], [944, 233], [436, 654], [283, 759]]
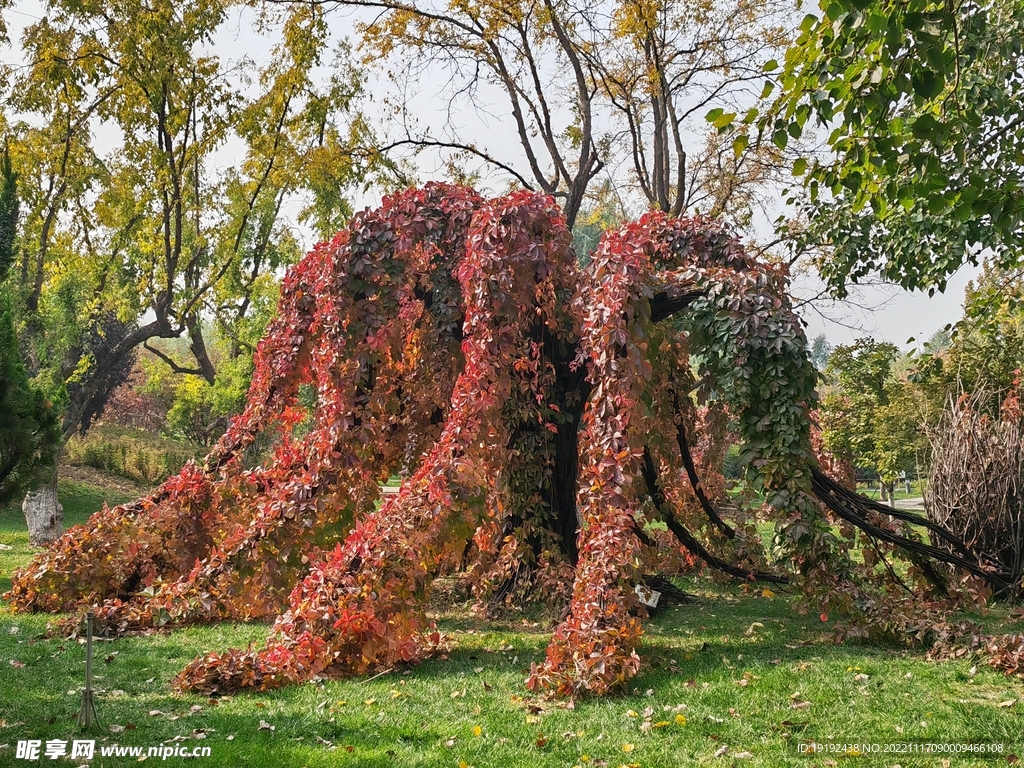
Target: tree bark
[[44, 513]]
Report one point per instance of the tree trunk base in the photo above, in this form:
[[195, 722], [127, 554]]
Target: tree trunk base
[[44, 514]]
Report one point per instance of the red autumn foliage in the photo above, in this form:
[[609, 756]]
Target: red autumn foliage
[[546, 413]]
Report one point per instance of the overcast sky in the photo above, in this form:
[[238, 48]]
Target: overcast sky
[[884, 313]]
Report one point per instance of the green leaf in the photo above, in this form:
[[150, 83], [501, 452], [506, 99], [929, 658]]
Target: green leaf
[[927, 83], [739, 144], [799, 166], [724, 120]]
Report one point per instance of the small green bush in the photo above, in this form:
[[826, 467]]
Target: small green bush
[[130, 453]]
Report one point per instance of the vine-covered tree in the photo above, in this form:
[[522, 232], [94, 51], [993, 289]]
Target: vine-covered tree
[[548, 416]]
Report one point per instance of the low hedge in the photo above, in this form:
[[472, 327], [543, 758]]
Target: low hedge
[[130, 453]]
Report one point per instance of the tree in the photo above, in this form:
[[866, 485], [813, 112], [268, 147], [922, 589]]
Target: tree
[[550, 411], [981, 354], [869, 414], [28, 423], [148, 239], [820, 351], [921, 102], [579, 80]]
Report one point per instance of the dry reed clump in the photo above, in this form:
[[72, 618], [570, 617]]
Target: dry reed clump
[[976, 480]]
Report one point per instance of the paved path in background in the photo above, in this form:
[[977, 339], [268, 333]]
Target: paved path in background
[[915, 503]]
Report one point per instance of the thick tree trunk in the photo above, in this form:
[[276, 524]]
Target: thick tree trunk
[[44, 513]]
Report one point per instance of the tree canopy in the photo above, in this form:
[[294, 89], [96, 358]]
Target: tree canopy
[[143, 235], [920, 105]]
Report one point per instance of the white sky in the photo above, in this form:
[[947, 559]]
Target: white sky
[[885, 313]]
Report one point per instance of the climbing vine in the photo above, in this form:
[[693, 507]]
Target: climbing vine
[[544, 414]]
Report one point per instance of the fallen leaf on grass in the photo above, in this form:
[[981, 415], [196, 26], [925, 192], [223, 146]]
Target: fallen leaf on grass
[[627, 747], [1007, 703], [742, 755], [265, 726], [721, 750], [681, 719], [800, 704], [116, 728], [478, 731]]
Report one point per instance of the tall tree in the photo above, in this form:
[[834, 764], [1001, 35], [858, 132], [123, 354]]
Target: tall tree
[[28, 422], [142, 240], [579, 80], [870, 415]]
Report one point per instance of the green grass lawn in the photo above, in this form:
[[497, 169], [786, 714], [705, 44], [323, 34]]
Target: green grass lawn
[[741, 671]]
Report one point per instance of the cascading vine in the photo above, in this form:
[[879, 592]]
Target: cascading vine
[[545, 414]]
